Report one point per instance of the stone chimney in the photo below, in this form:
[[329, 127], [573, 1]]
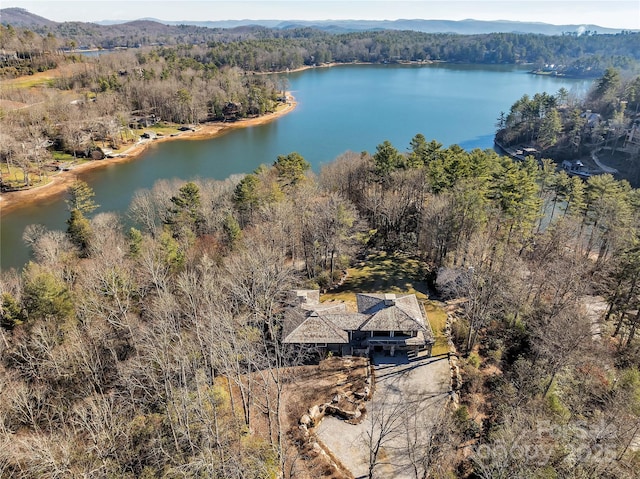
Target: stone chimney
[[389, 299]]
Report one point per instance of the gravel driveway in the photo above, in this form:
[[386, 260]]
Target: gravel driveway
[[408, 397]]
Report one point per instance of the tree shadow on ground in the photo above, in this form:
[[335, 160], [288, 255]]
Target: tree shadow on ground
[[386, 273]]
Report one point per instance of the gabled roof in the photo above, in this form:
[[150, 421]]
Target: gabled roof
[[409, 304], [390, 312], [347, 321], [392, 318], [329, 307], [317, 329], [368, 302], [331, 323]]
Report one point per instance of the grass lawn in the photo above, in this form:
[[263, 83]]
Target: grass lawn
[[393, 273], [438, 321], [31, 81], [62, 156], [14, 178], [162, 129], [383, 273]]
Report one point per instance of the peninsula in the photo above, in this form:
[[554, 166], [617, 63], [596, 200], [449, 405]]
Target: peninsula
[[60, 180]]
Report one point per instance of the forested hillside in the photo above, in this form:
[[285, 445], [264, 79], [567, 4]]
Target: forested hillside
[[87, 106], [155, 349], [19, 17], [604, 124], [271, 49], [94, 105], [145, 352]]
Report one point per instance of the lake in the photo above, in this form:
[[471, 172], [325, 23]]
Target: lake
[[354, 107]]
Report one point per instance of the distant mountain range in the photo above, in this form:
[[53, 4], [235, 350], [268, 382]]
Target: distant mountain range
[[19, 17], [23, 18], [463, 27]]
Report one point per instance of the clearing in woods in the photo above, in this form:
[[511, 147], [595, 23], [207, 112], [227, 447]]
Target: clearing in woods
[[423, 382]]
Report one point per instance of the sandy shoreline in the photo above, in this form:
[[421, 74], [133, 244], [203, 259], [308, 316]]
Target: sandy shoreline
[[12, 200]]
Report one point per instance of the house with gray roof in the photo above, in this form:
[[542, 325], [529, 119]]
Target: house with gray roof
[[383, 322]]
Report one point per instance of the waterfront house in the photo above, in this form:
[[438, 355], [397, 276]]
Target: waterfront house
[[231, 111], [383, 322], [593, 119]]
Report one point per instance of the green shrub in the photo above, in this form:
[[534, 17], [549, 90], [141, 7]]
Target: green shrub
[[474, 360], [459, 332], [461, 414], [556, 407]]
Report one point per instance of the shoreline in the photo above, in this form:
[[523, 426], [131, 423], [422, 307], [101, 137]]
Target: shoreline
[[338, 64], [12, 200]]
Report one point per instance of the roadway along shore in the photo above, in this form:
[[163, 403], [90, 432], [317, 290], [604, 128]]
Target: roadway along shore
[[12, 200]]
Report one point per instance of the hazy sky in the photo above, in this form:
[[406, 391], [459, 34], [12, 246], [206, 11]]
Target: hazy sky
[[605, 13]]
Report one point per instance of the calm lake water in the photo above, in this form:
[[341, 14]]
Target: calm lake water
[[339, 109]]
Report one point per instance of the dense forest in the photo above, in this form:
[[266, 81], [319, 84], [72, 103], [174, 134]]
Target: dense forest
[[604, 123], [257, 48], [95, 104], [146, 352], [155, 349], [579, 56]]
